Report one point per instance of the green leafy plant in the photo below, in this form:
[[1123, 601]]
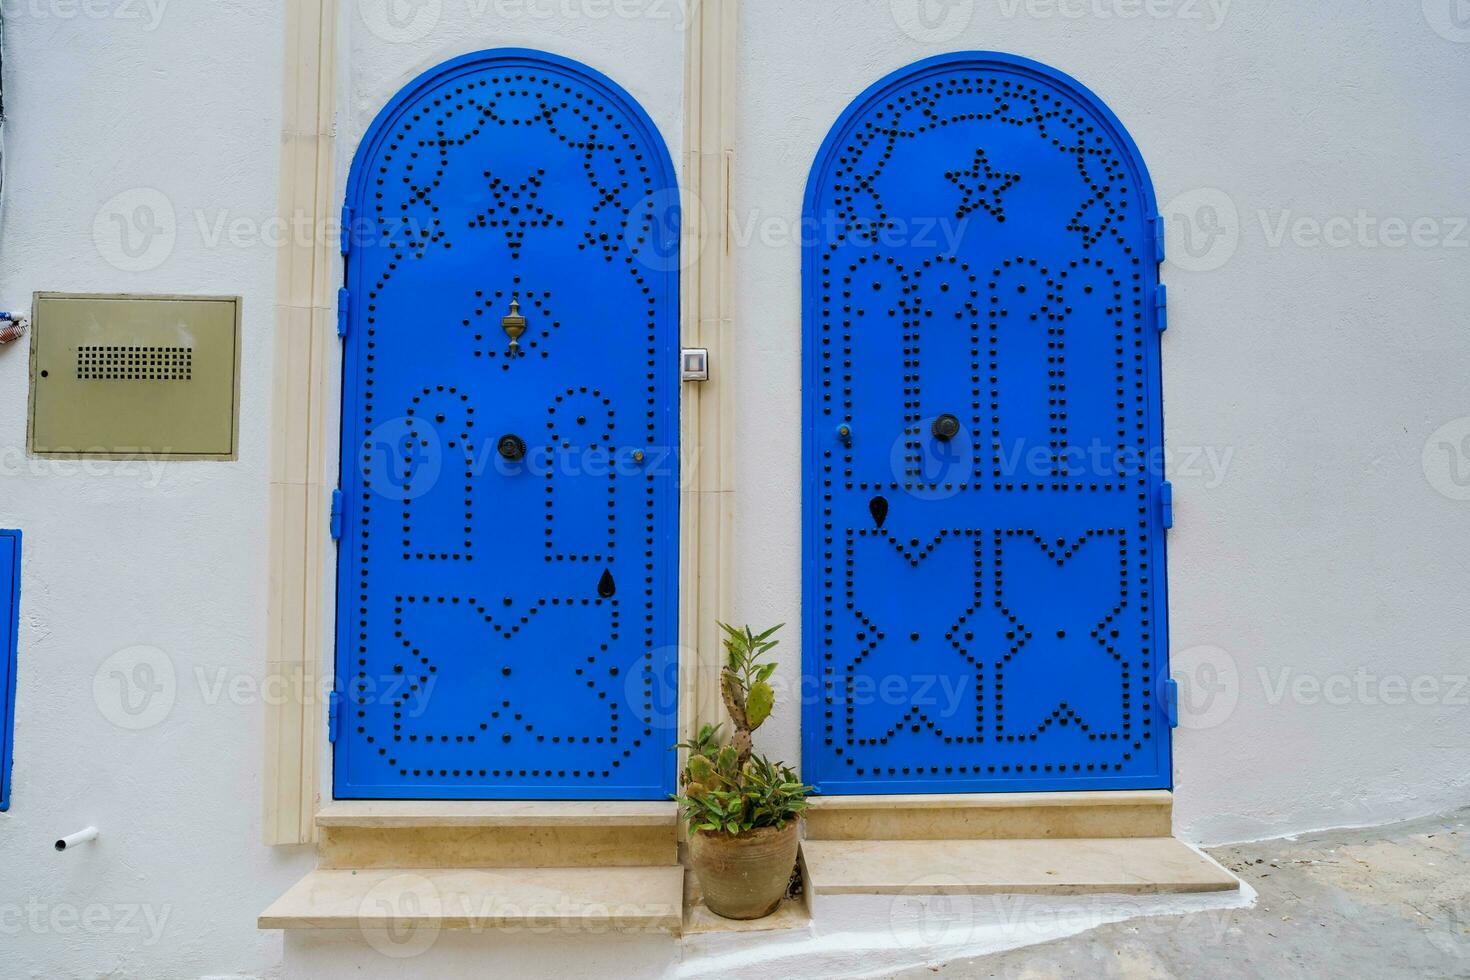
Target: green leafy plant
[[725, 787]]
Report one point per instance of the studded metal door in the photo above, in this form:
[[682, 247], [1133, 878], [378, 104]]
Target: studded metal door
[[506, 613], [984, 514]]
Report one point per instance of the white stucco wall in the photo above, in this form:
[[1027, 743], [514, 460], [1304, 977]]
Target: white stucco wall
[[177, 108], [1304, 380]]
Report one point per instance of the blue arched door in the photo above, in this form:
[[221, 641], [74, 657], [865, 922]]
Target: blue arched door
[[984, 513], [506, 584]]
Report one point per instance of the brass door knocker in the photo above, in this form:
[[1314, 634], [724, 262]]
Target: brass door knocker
[[514, 325]]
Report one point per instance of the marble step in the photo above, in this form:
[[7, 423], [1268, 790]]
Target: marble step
[[1116, 865], [992, 816], [399, 902], [480, 834]]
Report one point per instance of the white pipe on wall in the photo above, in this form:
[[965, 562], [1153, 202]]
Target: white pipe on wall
[[80, 837]]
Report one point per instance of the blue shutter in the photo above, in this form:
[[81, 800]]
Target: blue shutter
[[9, 623]]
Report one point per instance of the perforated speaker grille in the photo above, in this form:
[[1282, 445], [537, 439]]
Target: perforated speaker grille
[[99, 363]]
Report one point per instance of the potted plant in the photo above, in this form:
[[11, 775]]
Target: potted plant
[[743, 810]]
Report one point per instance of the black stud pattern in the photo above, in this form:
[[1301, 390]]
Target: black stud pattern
[[544, 173], [580, 454], [997, 352], [490, 340]]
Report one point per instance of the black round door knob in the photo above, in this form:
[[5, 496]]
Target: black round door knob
[[946, 427], [511, 447]]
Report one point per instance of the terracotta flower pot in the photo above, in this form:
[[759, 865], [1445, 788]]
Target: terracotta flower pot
[[744, 877]]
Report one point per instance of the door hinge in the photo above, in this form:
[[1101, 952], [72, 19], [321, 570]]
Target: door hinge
[[334, 525], [1171, 701], [334, 714], [1159, 251], [1161, 307], [348, 216], [342, 301], [1166, 504]]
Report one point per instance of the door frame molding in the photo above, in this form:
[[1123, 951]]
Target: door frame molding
[[302, 563], [307, 378]]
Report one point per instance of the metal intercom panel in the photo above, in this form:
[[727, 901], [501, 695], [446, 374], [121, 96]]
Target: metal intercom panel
[[120, 377]]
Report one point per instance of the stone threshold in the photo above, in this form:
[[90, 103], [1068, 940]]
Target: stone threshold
[[1119, 866], [525, 899], [585, 865]]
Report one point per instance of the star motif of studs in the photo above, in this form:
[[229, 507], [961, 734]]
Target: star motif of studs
[[982, 186]]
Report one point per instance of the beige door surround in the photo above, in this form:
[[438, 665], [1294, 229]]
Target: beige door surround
[[301, 554], [307, 380]]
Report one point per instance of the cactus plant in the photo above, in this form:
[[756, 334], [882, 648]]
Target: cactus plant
[[725, 787]]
